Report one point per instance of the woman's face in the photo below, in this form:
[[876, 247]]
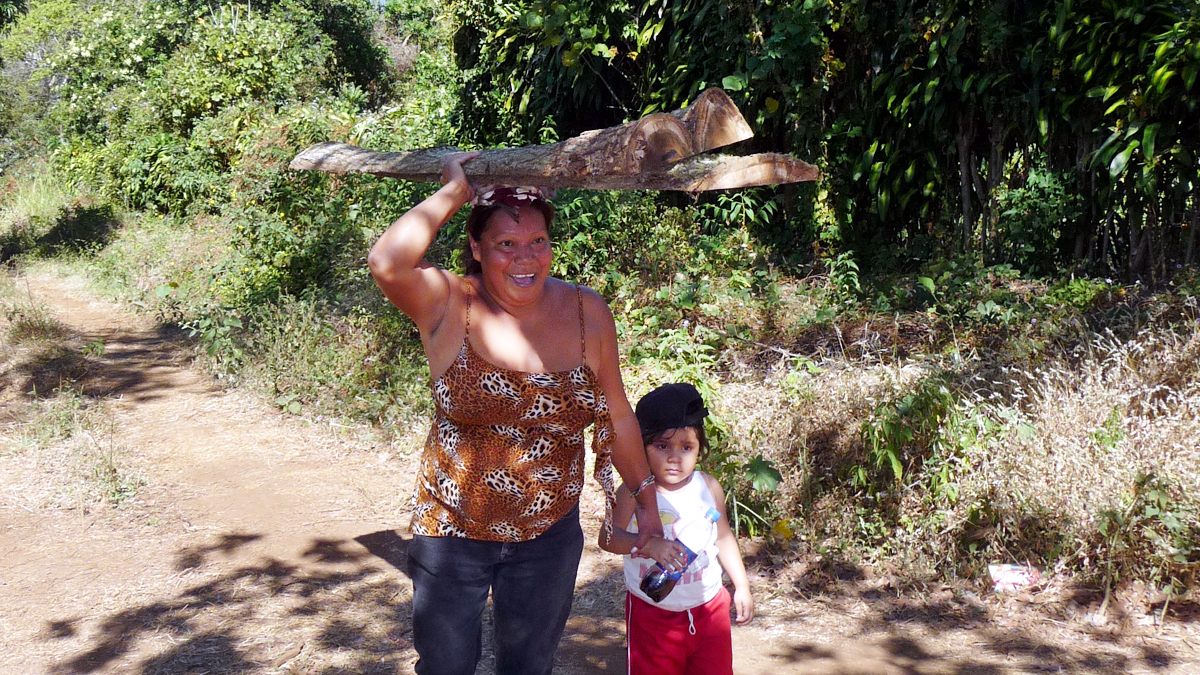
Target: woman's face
[[515, 255]]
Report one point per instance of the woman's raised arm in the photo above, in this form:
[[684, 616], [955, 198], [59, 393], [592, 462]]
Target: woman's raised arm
[[397, 260]]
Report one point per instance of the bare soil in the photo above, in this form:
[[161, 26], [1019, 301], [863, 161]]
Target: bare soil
[[260, 542]]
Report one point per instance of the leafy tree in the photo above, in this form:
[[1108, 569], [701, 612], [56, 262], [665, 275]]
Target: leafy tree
[[10, 10]]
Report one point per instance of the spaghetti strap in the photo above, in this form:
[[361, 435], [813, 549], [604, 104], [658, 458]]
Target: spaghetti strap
[[467, 327], [582, 332]]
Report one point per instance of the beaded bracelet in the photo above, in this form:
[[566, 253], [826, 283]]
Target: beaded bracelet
[[645, 484]]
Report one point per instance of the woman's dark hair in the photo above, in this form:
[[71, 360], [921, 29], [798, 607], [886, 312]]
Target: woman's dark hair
[[647, 439], [480, 216]]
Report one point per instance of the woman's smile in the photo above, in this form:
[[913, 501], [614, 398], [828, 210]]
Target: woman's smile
[[524, 280]]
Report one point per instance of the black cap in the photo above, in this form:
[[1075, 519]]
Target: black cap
[[671, 406]]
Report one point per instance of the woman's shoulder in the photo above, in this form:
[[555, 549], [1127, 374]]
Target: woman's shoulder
[[594, 304], [557, 285], [565, 293]]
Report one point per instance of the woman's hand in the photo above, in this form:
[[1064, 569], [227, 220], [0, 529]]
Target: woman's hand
[[453, 172], [670, 554], [648, 520]]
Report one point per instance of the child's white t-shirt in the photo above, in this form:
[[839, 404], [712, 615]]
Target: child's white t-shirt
[[702, 580]]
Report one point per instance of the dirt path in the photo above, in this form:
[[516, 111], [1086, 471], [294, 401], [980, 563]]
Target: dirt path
[[259, 543]]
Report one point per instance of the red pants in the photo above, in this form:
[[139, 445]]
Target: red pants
[[695, 642]]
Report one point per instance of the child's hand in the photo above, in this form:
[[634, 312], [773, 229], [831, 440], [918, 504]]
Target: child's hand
[[670, 554], [743, 602]]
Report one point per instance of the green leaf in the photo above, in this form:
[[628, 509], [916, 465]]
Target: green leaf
[[763, 475], [734, 82], [897, 468], [1117, 166], [1026, 431], [531, 20], [1148, 139], [1161, 77]]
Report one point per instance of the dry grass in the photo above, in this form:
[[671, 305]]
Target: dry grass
[[1080, 439], [1070, 463]]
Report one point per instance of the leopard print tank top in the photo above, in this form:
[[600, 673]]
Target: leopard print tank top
[[504, 459]]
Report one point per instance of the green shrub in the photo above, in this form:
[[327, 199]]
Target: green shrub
[[357, 363], [1154, 534], [1033, 216], [237, 55], [907, 431], [110, 53]]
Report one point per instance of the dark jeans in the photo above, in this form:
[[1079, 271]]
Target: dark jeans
[[532, 584]]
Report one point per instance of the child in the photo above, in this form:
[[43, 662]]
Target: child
[[689, 630]]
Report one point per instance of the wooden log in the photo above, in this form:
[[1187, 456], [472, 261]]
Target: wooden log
[[692, 174], [651, 143], [725, 172], [638, 155]]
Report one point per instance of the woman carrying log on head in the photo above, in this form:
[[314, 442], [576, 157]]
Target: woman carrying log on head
[[521, 364]]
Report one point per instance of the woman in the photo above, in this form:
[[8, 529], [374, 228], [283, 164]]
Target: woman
[[521, 363]]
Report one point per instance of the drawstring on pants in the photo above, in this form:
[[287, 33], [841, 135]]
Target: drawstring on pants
[[691, 623]]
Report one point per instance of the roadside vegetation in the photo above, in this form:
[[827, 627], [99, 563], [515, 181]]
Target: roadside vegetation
[[963, 346]]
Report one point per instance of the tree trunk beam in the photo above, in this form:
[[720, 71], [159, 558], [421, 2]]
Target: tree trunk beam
[[657, 152], [693, 174]]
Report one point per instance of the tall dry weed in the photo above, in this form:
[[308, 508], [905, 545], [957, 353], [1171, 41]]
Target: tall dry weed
[[1086, 461], [1075, 445]]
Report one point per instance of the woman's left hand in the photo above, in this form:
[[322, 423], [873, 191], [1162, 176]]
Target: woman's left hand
[[648, 520], [453, 172]]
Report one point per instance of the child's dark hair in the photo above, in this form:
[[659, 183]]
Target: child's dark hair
[[670, 407], [647, 439]]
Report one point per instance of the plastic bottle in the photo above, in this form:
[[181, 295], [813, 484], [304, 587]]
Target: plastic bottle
[[694, 536]]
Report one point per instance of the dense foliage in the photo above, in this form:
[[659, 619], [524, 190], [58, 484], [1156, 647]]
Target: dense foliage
[[937, 123]]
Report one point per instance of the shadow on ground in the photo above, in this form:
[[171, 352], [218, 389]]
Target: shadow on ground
[[346, 609], [77, 229], [98, 365]]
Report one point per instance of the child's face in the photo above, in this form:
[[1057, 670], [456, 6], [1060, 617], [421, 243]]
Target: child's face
[[673, 456]]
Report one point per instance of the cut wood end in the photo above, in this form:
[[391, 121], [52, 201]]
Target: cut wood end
[[658, 141], [714, 121], [753, 171]]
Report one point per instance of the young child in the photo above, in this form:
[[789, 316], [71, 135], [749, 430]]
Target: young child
[[689, 630]]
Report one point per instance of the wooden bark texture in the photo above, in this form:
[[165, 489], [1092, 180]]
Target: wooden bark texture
[[656, 152]]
